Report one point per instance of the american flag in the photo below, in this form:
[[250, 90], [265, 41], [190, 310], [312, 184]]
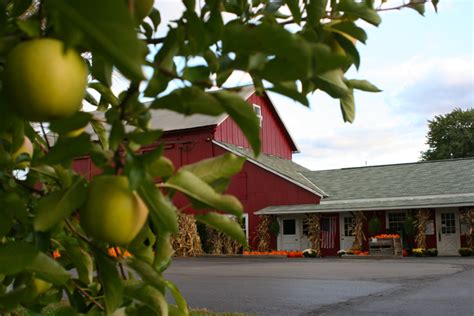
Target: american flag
[[328, 232]]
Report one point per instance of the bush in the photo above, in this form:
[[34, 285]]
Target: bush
[[465, 252], [374, 226], [310, 253], [432, 252]]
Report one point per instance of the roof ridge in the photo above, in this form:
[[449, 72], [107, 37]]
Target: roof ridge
[[399, 164]]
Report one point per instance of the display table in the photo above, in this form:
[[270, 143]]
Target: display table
[[385, 247]]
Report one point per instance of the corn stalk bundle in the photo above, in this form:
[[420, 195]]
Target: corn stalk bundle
[[219, 243], [359, 237], [468, 218], [187, 242], [263, 233], [422, 217], [314, 231]]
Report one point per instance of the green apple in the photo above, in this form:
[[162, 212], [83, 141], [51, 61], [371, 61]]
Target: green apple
[[112, 212], [44, 81], [25, 148]]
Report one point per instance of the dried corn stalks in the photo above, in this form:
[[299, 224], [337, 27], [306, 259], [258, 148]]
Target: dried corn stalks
[[263, 233], [422, 217], [468, 218], [219, 243], [358, 231], [314, 231], [187, 242]]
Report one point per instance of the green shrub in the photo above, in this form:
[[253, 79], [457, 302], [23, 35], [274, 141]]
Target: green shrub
[[465, 252]]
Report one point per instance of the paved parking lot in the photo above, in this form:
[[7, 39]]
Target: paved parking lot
[[330, 286]]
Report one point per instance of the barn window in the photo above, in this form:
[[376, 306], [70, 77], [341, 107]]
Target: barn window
[[258, 111], [289, 227], [395, 221], [348, 226]]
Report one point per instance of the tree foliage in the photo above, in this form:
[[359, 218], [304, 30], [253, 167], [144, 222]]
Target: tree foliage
[[450, 136], [47, 261]]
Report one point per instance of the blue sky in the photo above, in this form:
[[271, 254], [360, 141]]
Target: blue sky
[[425, 67]]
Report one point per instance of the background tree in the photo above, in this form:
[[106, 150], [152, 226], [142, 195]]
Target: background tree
[[58, 231], [450, 136]]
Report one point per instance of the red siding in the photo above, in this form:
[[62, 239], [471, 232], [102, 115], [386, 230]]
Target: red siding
[[275, 140], [258, 188]]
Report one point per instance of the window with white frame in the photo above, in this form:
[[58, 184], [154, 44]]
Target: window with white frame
[[258, 111], [348, 226], [396, 221], [244, 223]]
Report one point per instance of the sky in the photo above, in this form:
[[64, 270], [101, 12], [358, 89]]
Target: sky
[[425, 67]]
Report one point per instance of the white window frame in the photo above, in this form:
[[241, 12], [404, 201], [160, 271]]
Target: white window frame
[[258, 111], [393, 212], [245, 216]]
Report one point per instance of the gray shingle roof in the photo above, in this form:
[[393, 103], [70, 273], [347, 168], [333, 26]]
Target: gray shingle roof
[[411, 185], [282, 167]]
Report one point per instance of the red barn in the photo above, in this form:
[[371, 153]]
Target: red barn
[[273, 184], [269, 180]]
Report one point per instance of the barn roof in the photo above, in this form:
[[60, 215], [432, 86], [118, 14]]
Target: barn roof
[[284, 168], [400, 186]]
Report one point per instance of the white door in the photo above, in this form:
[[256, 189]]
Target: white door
[[290, 234], [346, 225], [447, 232]]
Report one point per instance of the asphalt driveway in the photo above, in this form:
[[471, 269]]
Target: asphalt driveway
[[330, 286]]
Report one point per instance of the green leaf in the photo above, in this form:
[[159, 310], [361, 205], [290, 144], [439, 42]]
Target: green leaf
[[149, 296], [178, 298], [71, 123], [435, 5], [160, 167], [197, 74], [47, 269], [147, 273], [144, 138], [349, 48], [5, 222], [225, 224], [363, 85], [418, 7], [55, 207], [155, 18], [348, 108], [360, 10], [164, 252], [20, 6], [110, 280], [162, 211], [190, 100], [30, 27], [325, 59], [293, 5], [105, 92], [109, 27], [101, 132], [101, 70], [16, 256], [290, 90], [273, 40], [333, 83], [196, 189], [316, 10], [242, 113], [81, 260], [67, 149], [349, 28], [217, 171]]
